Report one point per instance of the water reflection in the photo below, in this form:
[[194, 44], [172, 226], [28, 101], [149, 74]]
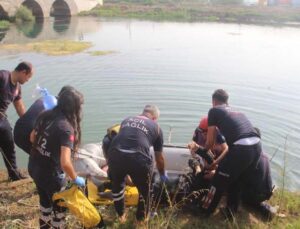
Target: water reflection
[[49, 29], [2, 35], [31, 29], [61, 24]]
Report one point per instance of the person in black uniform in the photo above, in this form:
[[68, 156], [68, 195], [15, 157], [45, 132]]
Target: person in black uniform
[[243, 154], [258, 187], [56, 135], [10, 92], [129, 154], [25, 124], [219, 151]]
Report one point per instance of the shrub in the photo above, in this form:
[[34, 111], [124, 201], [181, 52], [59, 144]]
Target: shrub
[[24, 14], [4, 25]]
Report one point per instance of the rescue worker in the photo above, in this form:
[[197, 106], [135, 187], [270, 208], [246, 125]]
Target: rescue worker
[[258, 187], [56, 135], [219, 150], [10, 92], [243, 154], [25, 124], [129, 154]]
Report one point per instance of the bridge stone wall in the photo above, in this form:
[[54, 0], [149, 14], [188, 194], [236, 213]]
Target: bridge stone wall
[[75, 6]]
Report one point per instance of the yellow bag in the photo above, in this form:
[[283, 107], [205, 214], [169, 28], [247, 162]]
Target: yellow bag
[[78, 205], [131, 195], [113, 130]]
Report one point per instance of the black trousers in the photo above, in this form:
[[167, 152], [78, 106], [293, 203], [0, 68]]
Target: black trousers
[[51, 215], [140, 168], [8, 148], [22, 141], [238, 161]]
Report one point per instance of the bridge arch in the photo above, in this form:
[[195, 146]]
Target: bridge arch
[[35, 8], [60, 8], [3, 13]]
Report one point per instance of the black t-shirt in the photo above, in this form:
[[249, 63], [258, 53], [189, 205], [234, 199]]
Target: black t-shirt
[[138, 134], [46, 151], [199, 139], [25, 124], [8, 92], [232, 124]]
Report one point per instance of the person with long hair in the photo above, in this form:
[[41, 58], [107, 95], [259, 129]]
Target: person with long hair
[[56, 135]]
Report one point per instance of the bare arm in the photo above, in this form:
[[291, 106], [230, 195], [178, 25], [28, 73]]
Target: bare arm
[[32, 136], [66, 163], [20, 107], [160, 162], [211, 136], [224, 150]]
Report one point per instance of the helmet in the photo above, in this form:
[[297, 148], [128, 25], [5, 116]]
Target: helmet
[[203, 123]]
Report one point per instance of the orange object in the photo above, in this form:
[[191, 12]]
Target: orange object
[[203, 123]]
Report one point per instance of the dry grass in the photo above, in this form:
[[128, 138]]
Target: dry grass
[[19, 209], [50, 47]]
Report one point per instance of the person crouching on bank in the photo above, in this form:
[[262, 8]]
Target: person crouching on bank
[[56, 134], [129, 154]]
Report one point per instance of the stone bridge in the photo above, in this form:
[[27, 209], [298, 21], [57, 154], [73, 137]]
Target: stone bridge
[[47, 8]]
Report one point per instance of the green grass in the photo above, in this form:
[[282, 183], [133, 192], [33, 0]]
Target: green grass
[[245, 219], [192, 10], [4, 25]]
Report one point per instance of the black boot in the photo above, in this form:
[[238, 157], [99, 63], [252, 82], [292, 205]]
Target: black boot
[[16, 175]]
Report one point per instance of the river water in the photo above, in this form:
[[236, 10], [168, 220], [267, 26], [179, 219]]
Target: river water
[[176, 66]]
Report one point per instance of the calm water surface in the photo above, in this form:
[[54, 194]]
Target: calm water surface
[[176, 66]]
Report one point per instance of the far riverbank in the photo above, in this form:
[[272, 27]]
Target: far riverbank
[[190, 11]]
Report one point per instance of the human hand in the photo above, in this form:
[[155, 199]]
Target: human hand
[[80, 181], [164, 177], [193, 147]]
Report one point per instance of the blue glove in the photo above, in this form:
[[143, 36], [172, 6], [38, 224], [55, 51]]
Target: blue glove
[[164, 177], [80, 181]]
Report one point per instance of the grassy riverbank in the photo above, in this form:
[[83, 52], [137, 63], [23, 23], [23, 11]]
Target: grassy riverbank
[[19, 209], [192, 10], [4, 25]]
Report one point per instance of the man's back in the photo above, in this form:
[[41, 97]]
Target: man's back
[[138, 134]]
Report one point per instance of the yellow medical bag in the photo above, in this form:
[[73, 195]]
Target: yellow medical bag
[[131, 195], [77, 203]]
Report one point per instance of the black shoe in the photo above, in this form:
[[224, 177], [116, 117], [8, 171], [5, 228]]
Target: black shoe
[[17, 176], [267, 211]]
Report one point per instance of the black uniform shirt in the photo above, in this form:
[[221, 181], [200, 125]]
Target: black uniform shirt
[[232, 124], [46, 153], [200, 140], [8, 92], [138, 134], [25, 124]]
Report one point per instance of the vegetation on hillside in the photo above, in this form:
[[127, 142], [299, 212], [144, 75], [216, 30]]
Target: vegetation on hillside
[[193, 10]]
